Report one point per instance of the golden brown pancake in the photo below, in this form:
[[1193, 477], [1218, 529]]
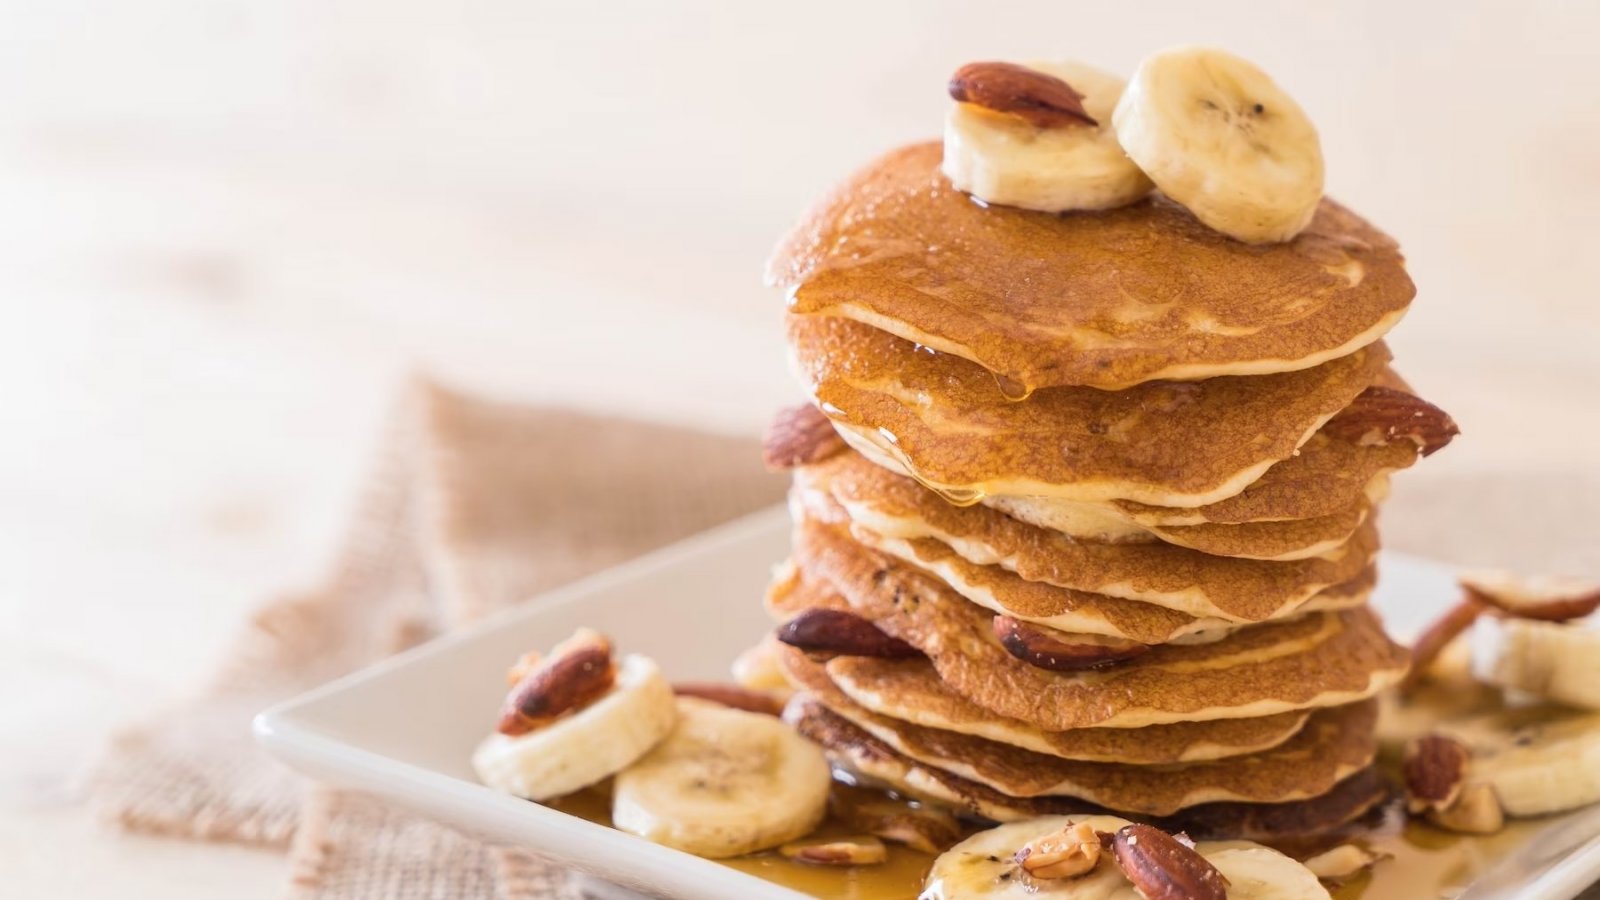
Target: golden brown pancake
[[913, 694], [1334, 744], [1316, 660], [885, 505], [1107, 299], [1002, 591], [868, 760], [1164, 443]]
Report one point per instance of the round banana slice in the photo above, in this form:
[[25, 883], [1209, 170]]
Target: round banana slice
[[1005, 159], [1218, 136], [984, 865], [724, 783], [1557, 661], [592, 744]]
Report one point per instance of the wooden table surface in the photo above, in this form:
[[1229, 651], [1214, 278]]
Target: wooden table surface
[[231, 229]]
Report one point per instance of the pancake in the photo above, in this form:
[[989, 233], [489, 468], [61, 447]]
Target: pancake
[[1002, 591], [864, 759], [1334, 744], [1106, 299], [913, 695], [1164, 443], [1316, 660], [886, 505]]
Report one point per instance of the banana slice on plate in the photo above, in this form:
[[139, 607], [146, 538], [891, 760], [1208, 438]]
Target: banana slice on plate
[[725, 782], [1217, 135], [1536, 761], [986, 865], [588, 745], [1555, 660], [1054, 165]]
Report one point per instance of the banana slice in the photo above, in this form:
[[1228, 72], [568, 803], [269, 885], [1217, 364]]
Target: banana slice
[[1554, 660], [1005, 159], [587, 746], [724, 783], [1218, 136], [1537, 761], [984, 865]]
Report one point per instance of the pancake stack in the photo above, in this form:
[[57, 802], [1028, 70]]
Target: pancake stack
[[1086, 504]]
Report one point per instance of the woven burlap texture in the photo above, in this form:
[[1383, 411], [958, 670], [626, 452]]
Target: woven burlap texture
[[474, 506]]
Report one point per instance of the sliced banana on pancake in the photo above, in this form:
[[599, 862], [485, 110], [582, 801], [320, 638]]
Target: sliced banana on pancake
[[587, 746], [1558, 661], [725, 782], [1216, 134], [998, 148], [985, 865]]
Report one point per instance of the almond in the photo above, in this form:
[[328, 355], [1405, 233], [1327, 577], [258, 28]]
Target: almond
[[1162, 868], [1042, 100], [1435, 768], [799, 436], [918, 827], [1437, 636], [834, 632], [851, 851], [1383, 415], [520, 669], [1059, 651], [576, 673], [1546, 598], [1068, 853], [732, 695]]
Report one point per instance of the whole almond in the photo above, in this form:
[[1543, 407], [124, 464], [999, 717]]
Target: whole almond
[[1547, 599], [834, 632], [1435, 769], [1384, 415], [1061, 652], [799, 436], [1040, 99], [576, 673], [1433, 639], [1162, 868]]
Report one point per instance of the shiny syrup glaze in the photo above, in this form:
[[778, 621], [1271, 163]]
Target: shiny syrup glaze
[[1427, 862]]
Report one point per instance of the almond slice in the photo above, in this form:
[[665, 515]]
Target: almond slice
[[863, 850], [1437, 636], [1041, 100], [1059, 651], [577, 672]]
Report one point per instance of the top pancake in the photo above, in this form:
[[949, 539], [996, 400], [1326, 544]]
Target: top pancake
[[1175, 444], [1105, 299]]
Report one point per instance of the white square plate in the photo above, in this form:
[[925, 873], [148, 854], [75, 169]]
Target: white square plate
[[405, 729]]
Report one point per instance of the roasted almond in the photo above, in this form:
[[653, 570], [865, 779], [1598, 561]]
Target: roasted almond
[[524, 664], [1546, 598], [799, 436], [1433, 639], [1042, 100], [577, 672], [732, 695], [1384, 415], [834, 632], [1068, 853], [1162, 868], [864, 850], [1059, 651], [1435, 769]]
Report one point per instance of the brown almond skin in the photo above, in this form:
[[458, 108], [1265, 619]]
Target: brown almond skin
[[1042, 100], [556, 687], [731, 695], [1161, 868], [1432, 641], [1057, 652], [1435, 768], [1555, 609], [1384, 415], [799, 436], [834, 632]]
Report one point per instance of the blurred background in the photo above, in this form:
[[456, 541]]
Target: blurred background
[[230, 230]]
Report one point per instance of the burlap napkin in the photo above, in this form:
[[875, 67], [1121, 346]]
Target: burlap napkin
[[474, 506]]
